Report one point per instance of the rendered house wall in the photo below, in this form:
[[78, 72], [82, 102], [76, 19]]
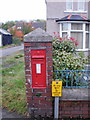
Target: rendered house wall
[[57, 9]]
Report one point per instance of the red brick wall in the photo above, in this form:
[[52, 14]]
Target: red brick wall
[[39, 101], [74, 109]]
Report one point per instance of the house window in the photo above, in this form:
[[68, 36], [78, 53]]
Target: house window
[[76, 26], [81, 5], [79, 31], [87, 28], [65, 26], [64, 34], [69, 5], [87, 41], [79, 37]]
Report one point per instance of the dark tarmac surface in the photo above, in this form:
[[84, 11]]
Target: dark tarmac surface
[[6, 114]]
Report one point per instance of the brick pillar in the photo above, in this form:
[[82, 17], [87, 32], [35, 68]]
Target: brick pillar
[[39, 100]]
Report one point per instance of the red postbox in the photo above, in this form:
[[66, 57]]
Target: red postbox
[[38, 65]]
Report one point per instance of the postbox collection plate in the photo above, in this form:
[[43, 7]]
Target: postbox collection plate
[[38, 68]]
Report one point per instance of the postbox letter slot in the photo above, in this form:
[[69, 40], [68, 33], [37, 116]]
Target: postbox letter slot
[[38, 68], [38, 57]]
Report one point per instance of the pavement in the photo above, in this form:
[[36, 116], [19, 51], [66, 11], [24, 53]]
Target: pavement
[[6, 114]]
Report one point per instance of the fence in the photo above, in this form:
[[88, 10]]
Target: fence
[[73, 78]]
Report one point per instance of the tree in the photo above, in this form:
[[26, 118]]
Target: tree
[[8, 25], [12, 31], [40, 20], [19, 34], [27, 27]]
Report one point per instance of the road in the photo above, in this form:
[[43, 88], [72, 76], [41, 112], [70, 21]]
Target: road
[[9, 51]]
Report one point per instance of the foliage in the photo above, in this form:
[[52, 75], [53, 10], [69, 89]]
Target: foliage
[[88, 59], [70, 78], [21, 29], [65, 55], [64, 44], [16, 41], [18, 56], [63, 60], [19, 34], [8, 25], [12, 31], [26, 28], [40, 21]]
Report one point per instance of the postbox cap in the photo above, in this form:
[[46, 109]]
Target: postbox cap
[[38, 35]]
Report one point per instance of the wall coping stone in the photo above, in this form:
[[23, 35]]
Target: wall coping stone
[[38, 35], [76, 94]]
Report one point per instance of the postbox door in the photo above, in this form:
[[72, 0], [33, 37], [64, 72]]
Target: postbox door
[[39, 72]]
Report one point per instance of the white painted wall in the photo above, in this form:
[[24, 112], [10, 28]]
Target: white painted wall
[[0, 40]]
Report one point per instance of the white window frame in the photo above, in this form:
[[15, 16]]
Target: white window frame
[[78, 10], [0, 40], [69, 33], [67, 2], [89, 34], [79, 4]]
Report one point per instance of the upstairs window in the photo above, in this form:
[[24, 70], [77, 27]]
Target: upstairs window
[[75, 6], [69, 5], [81, 5]]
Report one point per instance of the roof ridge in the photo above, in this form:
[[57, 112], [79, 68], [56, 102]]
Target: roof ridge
[[69, 16], [84, 17]]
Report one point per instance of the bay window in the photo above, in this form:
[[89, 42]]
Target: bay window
[[79, 37], [79, 31], [65, 26], [87, 41], [76, 26]]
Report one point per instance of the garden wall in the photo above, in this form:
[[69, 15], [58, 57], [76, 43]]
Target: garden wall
[[74, 109], [75, 103]]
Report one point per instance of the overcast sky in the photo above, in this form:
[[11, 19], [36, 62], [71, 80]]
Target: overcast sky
[[22, 10]]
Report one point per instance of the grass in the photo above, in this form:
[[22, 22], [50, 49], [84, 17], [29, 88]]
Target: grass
[[13, 83], [7, 46]]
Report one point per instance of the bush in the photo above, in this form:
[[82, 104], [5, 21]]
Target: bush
[[65, 55], [16, 41], [64, 60], [65, 44]]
